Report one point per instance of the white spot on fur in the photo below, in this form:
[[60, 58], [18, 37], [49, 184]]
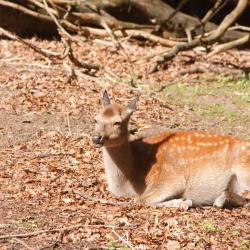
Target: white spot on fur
[[171, 150], [189, 139]]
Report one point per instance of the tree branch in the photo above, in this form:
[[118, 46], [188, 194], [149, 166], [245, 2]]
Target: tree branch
[[226, 46], [214, 36], [24, 10]]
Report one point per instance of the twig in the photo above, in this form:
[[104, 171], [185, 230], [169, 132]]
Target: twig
[[176, 10], [56, 230], [56, 20], [40, 5], [131, 34], [71, 72], [170, 84], [23, 244], [240, 27], [226, 46], [68, 124], [79, 64], [228, 20], [151, 37], [9, 236], [214, 36], [219, 4], [24, 10], [116, 44], [43, 52], [52, 245], [123, 240], [35, 14], [67, 44], [60, 132], [160, 59], [102, 201]]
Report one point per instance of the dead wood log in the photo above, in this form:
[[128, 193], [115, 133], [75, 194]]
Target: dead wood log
[[88, 12], [69, 16], [211, 38]]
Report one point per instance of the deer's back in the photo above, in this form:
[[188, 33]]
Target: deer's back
[[204, 159]]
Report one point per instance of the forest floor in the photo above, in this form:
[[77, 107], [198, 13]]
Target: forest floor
[[53, 192]]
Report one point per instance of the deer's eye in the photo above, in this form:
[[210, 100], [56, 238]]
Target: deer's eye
[[118, 124]]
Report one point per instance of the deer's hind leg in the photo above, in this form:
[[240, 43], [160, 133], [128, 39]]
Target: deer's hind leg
[[229, 197], [243, 175]]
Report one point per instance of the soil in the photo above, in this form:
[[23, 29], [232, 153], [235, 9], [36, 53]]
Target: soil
[[52, 178]]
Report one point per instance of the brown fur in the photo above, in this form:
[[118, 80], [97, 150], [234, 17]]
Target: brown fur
[[173, 168]]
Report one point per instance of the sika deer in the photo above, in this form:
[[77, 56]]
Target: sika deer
[[172, 168]]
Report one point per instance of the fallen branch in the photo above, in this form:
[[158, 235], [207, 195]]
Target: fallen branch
[[51, 14], [164, 57], [43, 52], [123, 240], [102, 201], [227, 21], [40, 5], [170, 84], [226, 46], [67, 42], [218, 5], [70, 16], [151, 37], [79, 64], [56, 230], [53, 55], [23, 244], [9, 236], [214, 36], [24, 10], [240, 27]]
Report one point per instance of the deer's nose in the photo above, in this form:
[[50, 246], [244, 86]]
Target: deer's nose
[[97, 139]]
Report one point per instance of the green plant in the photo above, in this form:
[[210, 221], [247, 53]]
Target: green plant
[[209, 226], [113, 246], [244, 245], [26, 224]]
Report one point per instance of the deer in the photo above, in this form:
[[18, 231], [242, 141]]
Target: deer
[[171, 168]]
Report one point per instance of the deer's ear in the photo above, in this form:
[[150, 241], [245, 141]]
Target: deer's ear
[[132, 106], [105, 99]]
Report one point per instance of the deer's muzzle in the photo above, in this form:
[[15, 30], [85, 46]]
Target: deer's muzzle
[[97, 139]]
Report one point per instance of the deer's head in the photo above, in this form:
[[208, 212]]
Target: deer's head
[[111, 127]]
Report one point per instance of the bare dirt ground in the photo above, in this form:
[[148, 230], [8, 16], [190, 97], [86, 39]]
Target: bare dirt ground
[[53, 193]]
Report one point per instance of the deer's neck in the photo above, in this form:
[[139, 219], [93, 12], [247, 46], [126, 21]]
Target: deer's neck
[[122, 175]]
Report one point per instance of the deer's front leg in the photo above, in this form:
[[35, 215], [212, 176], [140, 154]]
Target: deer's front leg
[[166, 193]]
